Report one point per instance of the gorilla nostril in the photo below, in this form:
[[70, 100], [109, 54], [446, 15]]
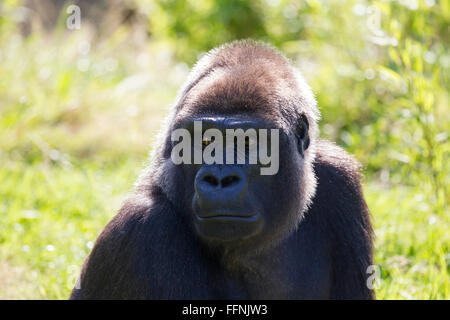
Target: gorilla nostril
[[230, 180], [210, 179]]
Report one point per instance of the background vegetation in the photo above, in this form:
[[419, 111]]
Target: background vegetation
[[79, 110]]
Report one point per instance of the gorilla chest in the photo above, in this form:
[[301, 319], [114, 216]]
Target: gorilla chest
[[295, 272], [298, 268]]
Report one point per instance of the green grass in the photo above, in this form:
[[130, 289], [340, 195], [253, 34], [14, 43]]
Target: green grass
[[51, 217], [412, 244]]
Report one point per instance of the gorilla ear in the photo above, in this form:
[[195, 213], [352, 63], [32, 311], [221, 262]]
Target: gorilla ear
[[302, 134]]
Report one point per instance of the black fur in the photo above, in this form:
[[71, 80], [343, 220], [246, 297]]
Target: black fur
[[151, 251]]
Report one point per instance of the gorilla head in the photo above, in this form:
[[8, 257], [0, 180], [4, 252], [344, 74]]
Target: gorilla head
[[242, 85]]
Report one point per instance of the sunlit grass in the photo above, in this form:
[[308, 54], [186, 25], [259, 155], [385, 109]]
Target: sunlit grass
[[412, 244], [52, 215]]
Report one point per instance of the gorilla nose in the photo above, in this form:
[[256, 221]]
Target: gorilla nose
[[225, 182], [219, 187]]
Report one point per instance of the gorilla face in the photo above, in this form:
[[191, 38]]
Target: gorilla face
[[231, 204], [235, 205]]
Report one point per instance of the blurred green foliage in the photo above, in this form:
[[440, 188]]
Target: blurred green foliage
[[80, 108]]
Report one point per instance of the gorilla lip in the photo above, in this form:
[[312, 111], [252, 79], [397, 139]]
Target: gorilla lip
[[225, 216], [228, 227]]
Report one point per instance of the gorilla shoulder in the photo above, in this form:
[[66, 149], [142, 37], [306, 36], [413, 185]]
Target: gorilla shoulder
[[335, 163], [338, 182], [339, 204], [121, 249]]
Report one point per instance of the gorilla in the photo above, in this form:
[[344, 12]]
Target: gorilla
[[226, 231]]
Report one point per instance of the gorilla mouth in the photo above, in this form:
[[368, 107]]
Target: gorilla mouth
[[227, 226], [228, 216]]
